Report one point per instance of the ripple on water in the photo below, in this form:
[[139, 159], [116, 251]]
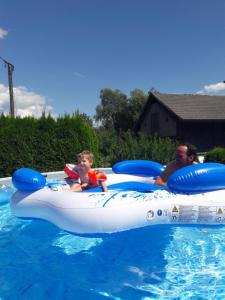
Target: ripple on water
[[39, 261]]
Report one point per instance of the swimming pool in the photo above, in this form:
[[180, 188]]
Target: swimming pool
[[40, 261]]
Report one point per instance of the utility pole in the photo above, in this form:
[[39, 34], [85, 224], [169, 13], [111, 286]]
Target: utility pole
[[10, 68], [10, 71]]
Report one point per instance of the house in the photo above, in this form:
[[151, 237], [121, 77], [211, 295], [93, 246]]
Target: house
[[197, 119]]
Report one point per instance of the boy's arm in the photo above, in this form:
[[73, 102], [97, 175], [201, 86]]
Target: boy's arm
[[103, 186]]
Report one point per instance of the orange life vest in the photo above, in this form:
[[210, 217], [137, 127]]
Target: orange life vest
[[95, 176]]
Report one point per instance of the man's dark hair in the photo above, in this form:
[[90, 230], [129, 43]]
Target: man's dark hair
[[191, 149]]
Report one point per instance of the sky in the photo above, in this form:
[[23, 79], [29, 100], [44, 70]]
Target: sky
[[65, 52]]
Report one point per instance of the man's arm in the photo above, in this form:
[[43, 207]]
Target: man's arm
[[163, 177], [160, 181]]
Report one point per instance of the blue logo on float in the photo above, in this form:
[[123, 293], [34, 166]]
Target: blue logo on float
[[159, 212]]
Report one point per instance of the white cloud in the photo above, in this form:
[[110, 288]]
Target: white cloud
[[3, 33], [27, 103], [212, 88], [77, 74], [201, 92]]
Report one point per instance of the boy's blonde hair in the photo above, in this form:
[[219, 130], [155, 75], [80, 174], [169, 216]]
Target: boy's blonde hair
[[89, 155]]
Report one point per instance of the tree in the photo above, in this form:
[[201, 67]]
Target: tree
[[137, 101], [118, 111], [113, 103]]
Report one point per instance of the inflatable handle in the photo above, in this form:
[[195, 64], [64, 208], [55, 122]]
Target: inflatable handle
[[70, 170], [28, 180], [138, 167], [198, 178]]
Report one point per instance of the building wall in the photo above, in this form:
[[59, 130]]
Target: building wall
[[205, 135], [161, 122], [166, 122]]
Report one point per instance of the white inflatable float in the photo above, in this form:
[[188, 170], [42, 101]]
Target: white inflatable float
[[196, 195]]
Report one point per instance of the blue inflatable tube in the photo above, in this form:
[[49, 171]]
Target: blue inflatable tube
[[28, 180], [129, 186], [198, 178], [138, 167]]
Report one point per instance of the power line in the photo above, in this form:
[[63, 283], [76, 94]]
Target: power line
[[10, 68]]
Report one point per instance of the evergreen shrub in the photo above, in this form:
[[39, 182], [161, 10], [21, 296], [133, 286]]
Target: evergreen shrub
[[44, 144], [217, 154], [116, 147]]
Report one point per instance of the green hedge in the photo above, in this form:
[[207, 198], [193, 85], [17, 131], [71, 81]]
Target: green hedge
[[44, 144], [217, 154], [116, 147]]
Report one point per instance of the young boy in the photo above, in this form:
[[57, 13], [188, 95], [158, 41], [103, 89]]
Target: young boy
[[82, 177]]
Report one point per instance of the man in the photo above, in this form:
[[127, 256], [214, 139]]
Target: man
[[185, 156]]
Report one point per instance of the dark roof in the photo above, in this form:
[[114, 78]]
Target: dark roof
[[193, 107]]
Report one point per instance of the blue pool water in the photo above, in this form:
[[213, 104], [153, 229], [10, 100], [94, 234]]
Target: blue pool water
[[40, 261]]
